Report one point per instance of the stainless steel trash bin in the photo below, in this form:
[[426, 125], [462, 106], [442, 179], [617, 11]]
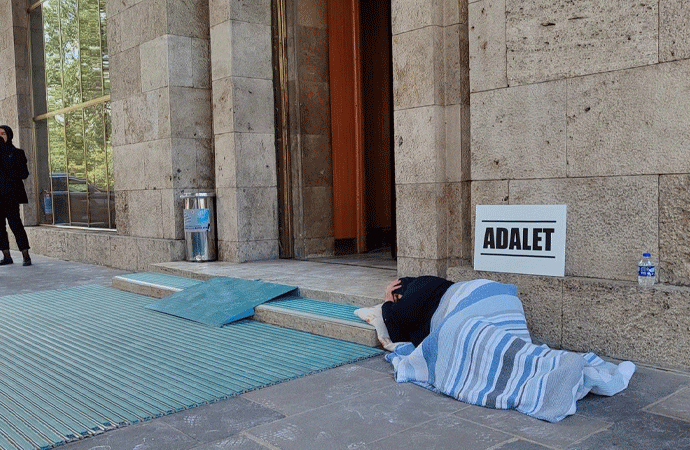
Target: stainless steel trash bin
[[200, 226]]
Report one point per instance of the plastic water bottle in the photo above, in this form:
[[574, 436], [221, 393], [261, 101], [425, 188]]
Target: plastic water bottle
[[646, 271]]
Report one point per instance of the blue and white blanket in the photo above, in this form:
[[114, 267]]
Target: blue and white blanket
[[479, 351]]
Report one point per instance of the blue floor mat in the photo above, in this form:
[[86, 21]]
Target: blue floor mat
[[220, 301], [82, 360]]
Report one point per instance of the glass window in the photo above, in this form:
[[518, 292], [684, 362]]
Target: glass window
[[70, 70]]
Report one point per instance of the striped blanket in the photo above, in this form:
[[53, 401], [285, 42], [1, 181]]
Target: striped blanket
[[479, 351]]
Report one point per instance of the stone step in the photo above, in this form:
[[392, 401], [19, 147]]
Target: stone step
[[324, 318]]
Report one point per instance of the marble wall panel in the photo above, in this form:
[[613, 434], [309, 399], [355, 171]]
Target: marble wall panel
[[312, 54], [219, 12], [519, 132], [222, 106], [457, 151], [124, 252], [674, 229], [611, 221], [192, 164], [455, 67], [627, 321], [97, 248], [412, 267], [225, 161], [226, 214], [221, 50], [487, 45], [419, 145], [256, 160], [145, 213], [421, 223], [252, 105], [418, 68], [200, 62], [314, 108], [257, 250], [255, 11], [251, 50], [190, 113], [415, 14], [127, 79], [317, 161], [549, 40], [257, 211], [630, 122], [674, 33], [188, 18], [318, 212], [154, 63]]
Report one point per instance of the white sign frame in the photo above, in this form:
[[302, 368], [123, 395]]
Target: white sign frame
[[526, 239]]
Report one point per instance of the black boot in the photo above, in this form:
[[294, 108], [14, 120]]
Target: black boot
[[6, 258], [27, 258]]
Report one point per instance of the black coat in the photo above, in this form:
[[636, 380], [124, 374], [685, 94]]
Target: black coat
[[13, 170]]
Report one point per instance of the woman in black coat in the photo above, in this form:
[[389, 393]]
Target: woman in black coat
[[13, 171]]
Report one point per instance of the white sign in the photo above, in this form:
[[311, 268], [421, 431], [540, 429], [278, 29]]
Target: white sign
[[526, 239]]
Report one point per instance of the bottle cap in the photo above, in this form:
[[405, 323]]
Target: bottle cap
[[646, 255]]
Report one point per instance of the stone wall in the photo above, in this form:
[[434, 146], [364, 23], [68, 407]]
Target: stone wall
[[431, 120], [585, 104], [243, 130]]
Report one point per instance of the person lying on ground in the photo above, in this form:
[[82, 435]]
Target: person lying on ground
[[405, 315]]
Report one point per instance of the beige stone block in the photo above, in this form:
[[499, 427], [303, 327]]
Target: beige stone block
[[255, 11], [219, 11], [421, 220], [188, 18], [144, 117], [223, 102], [487, 45], [221, 50], [257, 250], [128, 170], [155, 64], [182, 62], [257, 214], [418, 68], [125, 74], [190, 113], [455, 66], [145, 213], [192, 164], [674, 229], [627, 321], [153, 251], [312, 13], [630, 122], [549, 40], [256, 160], [75, 246], [314, 108], [227, 251], [674, 34], [227, 216], [140, 23], [317, 162], [519, 132], [252, 105], [201, 63], [251, 50], [113, 8], [152, 161], [225, 161], [98, 248], [413, 267], [409, 15], [318, 212], [124, 253], [459, 240], [457, 130], [122, 219], [494, 192], [172, 214], [118, 120], [419, 145], [611, 221]]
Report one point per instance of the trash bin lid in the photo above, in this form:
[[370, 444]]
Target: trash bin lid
[[197, 194]]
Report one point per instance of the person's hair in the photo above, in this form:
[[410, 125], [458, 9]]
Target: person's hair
[[10, 133]]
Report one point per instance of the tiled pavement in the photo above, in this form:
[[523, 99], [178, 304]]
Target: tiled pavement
[[360, 406]]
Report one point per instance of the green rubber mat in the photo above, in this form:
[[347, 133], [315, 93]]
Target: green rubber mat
[[162, 279], [221, 300], [319, 308], [79, 361]]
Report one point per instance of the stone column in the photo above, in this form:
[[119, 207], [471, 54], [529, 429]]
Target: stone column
[[243, 127], [161, 120], [15, 90], [431, 103]]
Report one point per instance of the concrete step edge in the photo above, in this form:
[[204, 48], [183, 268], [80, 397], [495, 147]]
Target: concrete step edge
[[350, 331]]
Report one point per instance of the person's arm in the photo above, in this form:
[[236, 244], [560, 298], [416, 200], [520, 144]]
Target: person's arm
[[20, 166]]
